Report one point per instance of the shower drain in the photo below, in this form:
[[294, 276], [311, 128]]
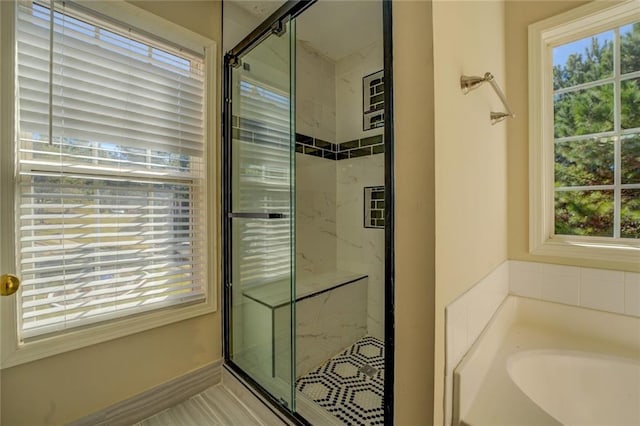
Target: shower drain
[[368, 370]]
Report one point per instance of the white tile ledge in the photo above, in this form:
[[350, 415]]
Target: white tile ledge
[[600, 289]]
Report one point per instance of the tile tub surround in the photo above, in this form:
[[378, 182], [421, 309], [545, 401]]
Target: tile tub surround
[[330, 316], [466, 317], [484, 391], [605, 290]]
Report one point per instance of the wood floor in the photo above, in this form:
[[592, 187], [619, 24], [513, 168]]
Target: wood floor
[[215, 406]]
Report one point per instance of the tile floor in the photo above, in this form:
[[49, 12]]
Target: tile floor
[[343, 388], [349, 386], [215, 406]]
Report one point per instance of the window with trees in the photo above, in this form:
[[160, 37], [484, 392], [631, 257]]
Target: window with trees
[[596, 83], [584, 125]]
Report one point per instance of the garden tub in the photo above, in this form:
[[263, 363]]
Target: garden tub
[[544, 363]]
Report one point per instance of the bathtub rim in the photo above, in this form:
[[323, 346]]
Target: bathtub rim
[[522, 313]]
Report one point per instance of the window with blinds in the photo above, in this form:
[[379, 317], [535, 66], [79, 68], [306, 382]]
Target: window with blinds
[[263, 155], [110, 155]]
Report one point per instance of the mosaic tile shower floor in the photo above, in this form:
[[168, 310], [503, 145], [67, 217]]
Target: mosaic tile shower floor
[[342, 387]]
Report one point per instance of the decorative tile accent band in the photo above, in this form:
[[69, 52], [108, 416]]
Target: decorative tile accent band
[[351, 149], [258, 132]]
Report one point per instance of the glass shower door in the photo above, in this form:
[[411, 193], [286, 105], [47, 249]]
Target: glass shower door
[[262, 270]]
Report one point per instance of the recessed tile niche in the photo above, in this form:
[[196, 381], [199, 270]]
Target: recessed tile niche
[[373, 100], [374, 207]]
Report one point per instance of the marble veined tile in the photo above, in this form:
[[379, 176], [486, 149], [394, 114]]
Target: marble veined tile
[[315, 214], [361, 249], [329, 322]]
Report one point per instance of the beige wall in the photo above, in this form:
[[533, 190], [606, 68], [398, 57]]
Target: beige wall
[[470, 158], [63, 388], [68, 386], [414, 209], [518, 15]]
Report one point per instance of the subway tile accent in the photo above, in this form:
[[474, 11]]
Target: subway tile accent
[[360, 152], [330, 155], [374, 207], [344, 146], [371, 140], [324, 144], [371, 145], [254, 131]]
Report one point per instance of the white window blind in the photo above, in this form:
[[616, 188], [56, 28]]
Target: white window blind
[[111, 175], [263, 155]]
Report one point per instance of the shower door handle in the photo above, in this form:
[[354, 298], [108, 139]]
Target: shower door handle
[[258, 215]]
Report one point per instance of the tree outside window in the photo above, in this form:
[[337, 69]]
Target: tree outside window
[[596, 83]]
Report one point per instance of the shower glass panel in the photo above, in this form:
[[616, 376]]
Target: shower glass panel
[[262, 215]]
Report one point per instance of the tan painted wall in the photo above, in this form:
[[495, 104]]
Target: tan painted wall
[[519, 14], [414, 209], [68, 386], [470, 158], [63, 388]]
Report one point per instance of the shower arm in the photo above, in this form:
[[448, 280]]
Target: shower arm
[[468, 83]]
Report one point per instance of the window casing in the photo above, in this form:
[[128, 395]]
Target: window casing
[[113, 209], [549, 182]]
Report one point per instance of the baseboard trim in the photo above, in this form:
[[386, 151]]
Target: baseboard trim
[[157, 399]]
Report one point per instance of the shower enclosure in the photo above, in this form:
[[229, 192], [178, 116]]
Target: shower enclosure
[[307, 173]]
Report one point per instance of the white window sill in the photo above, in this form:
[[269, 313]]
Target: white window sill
[[600, 249]]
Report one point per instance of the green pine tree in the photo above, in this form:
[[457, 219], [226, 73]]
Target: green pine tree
[[591, 162]]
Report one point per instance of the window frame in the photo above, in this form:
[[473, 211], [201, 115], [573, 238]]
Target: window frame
[[12, 351], [578, 23]]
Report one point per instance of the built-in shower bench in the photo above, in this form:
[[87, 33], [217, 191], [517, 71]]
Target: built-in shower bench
[[330, 315]]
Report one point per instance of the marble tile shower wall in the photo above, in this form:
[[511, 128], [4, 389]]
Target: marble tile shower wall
[[316, 213], [361, 249]]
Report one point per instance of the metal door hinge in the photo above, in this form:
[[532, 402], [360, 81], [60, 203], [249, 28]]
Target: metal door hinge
[[278, 28]]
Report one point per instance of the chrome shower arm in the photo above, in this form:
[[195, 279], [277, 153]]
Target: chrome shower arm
[[468, 83]]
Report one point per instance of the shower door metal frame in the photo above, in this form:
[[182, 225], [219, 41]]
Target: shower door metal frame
[[389, 209], [274, 24]]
